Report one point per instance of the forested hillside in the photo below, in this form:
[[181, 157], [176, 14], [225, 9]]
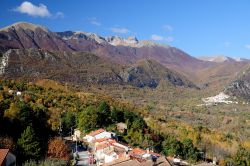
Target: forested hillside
[[31, 115]]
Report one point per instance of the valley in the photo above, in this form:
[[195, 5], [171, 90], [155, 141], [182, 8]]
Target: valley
[[161, 83]]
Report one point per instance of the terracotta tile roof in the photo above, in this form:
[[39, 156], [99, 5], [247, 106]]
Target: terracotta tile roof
[[170, 158], [102, 146], [161, 161], [138, 151], [121, 155], [101, 140], [3, 154], [123, 162], [94, 133], [119, 149], [112, 141], [109, 152]]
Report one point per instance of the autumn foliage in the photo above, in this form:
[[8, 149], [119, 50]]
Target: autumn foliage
[[57, 148], [7, 143]]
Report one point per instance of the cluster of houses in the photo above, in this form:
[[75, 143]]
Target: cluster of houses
[[104, 149]]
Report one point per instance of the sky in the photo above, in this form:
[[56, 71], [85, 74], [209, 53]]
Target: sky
[[198, 27]]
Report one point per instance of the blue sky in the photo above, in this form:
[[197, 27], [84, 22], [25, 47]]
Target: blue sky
[[198, 27]]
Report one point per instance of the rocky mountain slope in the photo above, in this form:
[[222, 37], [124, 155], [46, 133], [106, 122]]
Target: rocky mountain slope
[[130, 50], [240, 87], [150, 73], [222, 59], [26, 35], [123, 51], [84, 68], [75, 67], [217, 59], [120, 68]]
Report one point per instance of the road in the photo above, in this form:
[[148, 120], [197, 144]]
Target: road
[[83, 158]]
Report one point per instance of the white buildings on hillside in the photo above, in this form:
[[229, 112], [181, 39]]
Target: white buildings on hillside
[[107, 150], [98, 134], [220, 98]]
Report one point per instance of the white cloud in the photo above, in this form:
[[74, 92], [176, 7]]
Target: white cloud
[[94, 21], [247, 46], [119, 30], [37, 11], [161, 38], [33, 10], [168, 28]]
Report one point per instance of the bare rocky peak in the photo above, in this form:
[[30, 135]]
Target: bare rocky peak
[[77, 35], [218, 59], [116, 41], [24, 26], [86, 36], [131, 41], [27, 35], [241, 59]]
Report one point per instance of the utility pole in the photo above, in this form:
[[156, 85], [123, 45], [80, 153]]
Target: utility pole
[[76, 145], [71, 134], [60, 128]]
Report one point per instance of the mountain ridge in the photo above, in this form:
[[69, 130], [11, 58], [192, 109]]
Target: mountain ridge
[[221, 59], [120, 50], [85, 69]]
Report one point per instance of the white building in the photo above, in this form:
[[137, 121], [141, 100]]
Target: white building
[[98, 134], [18, 93], [109, 156], [77, 135]]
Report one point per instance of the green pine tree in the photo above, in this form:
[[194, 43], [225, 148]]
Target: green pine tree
[[28, 144]]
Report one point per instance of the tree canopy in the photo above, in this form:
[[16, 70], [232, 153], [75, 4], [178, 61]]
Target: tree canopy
[[28, 144]]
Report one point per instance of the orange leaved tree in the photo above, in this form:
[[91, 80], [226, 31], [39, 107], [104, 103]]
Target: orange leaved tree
[[58, 149]]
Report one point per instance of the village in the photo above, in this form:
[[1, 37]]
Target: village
[[101, 147], [104, 148]]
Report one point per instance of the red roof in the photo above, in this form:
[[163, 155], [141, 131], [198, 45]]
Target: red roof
[[102, 146], [3, 154], [112, 141], [138, 151], [94, 133], [101, 140]]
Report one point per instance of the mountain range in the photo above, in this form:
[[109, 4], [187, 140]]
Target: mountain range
[[33, 51], [221, 59], [168, 85]]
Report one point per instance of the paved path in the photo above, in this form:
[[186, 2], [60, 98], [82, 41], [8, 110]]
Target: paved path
[[83, 158]]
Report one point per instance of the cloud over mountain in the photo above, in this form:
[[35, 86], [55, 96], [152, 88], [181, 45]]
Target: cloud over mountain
[[32, 10], [40, 10]]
